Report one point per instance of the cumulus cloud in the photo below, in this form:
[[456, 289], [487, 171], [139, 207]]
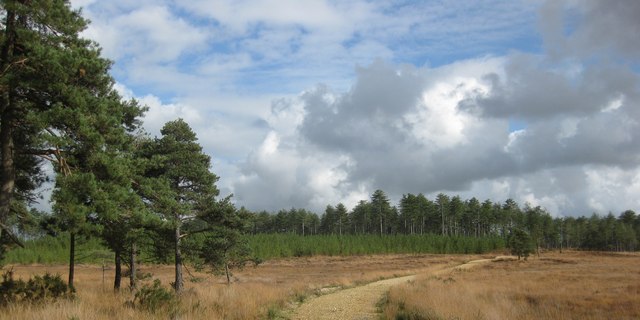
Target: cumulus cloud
[[407, 129], [591, 28], [436, 102], [156, 34], [398, 129]]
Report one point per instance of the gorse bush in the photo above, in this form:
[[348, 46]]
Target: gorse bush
[[37, 289]]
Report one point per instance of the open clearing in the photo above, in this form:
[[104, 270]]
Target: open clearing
[[570, 285]]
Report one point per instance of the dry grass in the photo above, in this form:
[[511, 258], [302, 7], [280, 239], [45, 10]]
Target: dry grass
[[573, 285], [256, 291]]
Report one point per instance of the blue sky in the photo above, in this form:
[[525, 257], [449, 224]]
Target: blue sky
[[315, 102]]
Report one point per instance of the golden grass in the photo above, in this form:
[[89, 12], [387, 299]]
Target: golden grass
[[272, 285], [571, 285]]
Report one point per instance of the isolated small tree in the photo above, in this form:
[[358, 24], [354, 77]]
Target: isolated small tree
[[520, 243], [219, 240]]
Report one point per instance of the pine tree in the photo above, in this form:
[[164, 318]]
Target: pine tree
[[177, 183], [381, 208], [341, 217], [520, 243], [223, 245], [57, 103]]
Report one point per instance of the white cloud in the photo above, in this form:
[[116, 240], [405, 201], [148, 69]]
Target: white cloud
[[317, 102], [413, 130], [151, 34], [438, 121], [239, 16], [611, 188], [160, 113]]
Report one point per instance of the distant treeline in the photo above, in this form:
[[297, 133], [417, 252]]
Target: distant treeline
[[267, 246], [453, 216], [55, 250]]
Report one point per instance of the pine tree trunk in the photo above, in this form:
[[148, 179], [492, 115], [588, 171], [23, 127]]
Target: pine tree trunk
[[442, 217], [8, 174], [226, 270], [118, 276], [72, 259], [178, 285], [132, 266]]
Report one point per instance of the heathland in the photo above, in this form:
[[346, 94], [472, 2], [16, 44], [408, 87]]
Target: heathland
[[568, 285]]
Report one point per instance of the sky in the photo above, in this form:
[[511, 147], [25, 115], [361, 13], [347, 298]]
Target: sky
[[309, 103]]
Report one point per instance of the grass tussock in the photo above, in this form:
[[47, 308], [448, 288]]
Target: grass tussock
[[574, 285]]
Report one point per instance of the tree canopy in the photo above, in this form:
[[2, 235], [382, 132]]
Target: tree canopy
[[58, 104]]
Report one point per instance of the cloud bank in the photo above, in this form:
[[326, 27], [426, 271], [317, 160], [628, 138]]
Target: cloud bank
[[408, 129], [304, 106]]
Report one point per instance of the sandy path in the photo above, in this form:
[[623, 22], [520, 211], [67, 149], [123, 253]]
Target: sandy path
[[354, 303], [360, 302]]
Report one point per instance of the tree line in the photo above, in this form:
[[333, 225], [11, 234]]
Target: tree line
[[453, 216]]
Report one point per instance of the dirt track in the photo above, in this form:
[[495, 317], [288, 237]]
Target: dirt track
[[359, 303], [354, 303]]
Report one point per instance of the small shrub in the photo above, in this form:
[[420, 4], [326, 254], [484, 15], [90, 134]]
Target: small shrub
[[274, 312], [37, 289], [300, 297], [45, 287], [155, 297]]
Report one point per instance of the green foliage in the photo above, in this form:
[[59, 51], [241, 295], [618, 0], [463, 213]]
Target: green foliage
[[156, 298], [37, 289], [268, 246], [59, 104], [520, 243], [178, 187], [225, 249], [220, 242]]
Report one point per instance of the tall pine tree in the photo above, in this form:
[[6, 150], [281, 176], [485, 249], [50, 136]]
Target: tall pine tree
[[57, 103]]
